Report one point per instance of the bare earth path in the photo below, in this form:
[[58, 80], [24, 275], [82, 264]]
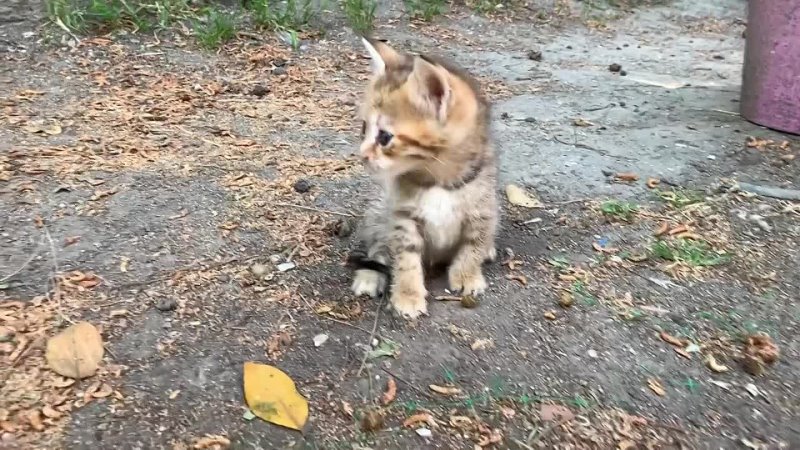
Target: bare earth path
[[165, 176]]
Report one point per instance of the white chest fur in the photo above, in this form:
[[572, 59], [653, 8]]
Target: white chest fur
[[440, 211]]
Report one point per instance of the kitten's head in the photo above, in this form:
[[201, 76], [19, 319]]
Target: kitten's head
[[419, 115]]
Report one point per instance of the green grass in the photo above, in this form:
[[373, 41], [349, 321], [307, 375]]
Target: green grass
[[679, 198], [619, 210], [106, 15], [488, 6], [425, 9], [215, 28], [579, 291], [360, 14], [291, 16], [691, 252]]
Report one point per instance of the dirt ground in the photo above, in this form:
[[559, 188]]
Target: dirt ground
[[151, 188]]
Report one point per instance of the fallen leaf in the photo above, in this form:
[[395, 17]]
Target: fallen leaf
[[75, 352], [35, 419], [670, 339], [445, 390], [550, 412], [507, 412], [212, 441], [566, 299], [248, 415], [761, 346], [656, 387], [71, 240], [580, 122], [272, 396], [626, 176], [123, 264], [424, 432], [519, 278], [481, 344], [460, 422], [118, 313], [679, 229], [753, 365], [50, 412], [682, 352], [653, 182], [347, 409], [627, 444], [420, 418], [102, 194], [103, 392], [386, 347], [712, 364], [174, 394], [38, 221], [663, 228], [550, 315], [493, 437], [391, 392], [519, 197]]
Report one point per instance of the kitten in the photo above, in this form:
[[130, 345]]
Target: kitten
[[426, 140]]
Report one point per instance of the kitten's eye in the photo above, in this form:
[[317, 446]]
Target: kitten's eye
[[363, 127], [384, 137]]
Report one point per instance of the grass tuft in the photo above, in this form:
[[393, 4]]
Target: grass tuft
[[690, 252], [360, 14], [425, 9], [619, 210], [215, 28]]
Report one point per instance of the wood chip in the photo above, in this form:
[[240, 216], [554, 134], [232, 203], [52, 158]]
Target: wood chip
[[656, 387], [445, 390]]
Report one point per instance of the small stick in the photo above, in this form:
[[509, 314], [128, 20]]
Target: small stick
[[371, 337], [407, 383], [308, 208]]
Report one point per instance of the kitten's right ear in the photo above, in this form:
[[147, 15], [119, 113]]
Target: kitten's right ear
[[380, 54]]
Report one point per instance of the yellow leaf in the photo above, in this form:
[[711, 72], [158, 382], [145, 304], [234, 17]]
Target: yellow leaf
[[272, 396], [76, 351], [518, 196]]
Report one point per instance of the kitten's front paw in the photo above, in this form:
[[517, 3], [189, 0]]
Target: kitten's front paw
[[368, 282], [469, 282], [409, 305]]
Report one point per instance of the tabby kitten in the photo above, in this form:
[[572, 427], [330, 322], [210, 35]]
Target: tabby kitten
[[426, 140]]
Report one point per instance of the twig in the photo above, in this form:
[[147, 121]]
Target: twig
[[24, 265], [766, 191], [579, 145], [371, 336], [308, 208], [408, 383], [66, 29], [342, 322]]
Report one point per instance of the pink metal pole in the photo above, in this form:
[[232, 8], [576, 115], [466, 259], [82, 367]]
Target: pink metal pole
[[771, 75]]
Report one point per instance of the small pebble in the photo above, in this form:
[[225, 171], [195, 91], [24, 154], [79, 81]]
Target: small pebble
[[259, 90], [623, 73], [302, 186], [285, 267], [535, 55], [593, 354], [166, 304], [614, 67], [469, 301]]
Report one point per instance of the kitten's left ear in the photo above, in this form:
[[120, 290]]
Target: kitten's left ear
[[430, 89], [381, 55]]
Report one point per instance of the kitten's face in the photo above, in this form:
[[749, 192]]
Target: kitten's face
[[404, 113]]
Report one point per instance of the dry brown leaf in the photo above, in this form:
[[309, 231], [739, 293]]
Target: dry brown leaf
[[71, 240], [460, 422], [35, 419], [715, 366], [550, 412], [493, 437], [682, 352], [519, 197], [662, 229], [753, 365], [372, 420], [417, 419], [391, 392], [75, 352], [212, 441], [103, 392], [519, 278], [626, 176], [761, 346], [670, 339], [653, 182], [445, 390], [347, 409], [656, 387], [272, 395], [679, 229], [507, 412], [481, 344], [689, 235], [550, 315], [50, 412]]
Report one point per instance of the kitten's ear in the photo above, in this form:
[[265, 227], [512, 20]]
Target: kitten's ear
[[381, 55], [430, 89]]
